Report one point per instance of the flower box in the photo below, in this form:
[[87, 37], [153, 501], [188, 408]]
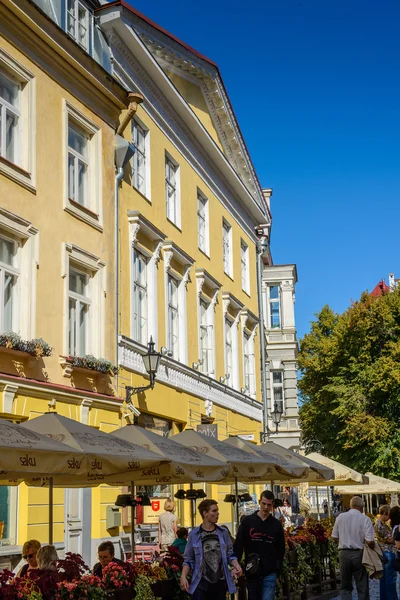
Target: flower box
[[127, 593], [165, 588]]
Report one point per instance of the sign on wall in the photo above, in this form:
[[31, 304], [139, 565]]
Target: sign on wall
[[209, 430], [151, 513]]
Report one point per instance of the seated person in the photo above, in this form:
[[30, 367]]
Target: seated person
[[46, 576], [105, 553], [29, 552], [181, 540]]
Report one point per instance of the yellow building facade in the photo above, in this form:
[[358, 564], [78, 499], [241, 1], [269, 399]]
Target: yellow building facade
[[178, 265]]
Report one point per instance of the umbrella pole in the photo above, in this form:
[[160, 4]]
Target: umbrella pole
[[317, 498], [51, 511], [237, 503], [192, 509], [133, 521], [328, 495]]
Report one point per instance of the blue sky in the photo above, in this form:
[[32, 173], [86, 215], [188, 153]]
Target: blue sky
[[316, 89]]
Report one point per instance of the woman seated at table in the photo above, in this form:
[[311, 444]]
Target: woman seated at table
[[46, 576], [181, 539], [29, 552]]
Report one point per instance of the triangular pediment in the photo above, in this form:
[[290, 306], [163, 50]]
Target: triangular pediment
[[198, 80]]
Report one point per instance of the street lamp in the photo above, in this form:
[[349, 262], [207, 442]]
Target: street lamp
[[151, 361], [276, 416]]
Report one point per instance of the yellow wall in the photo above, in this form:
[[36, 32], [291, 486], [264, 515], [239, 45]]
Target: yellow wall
[[195, 98]]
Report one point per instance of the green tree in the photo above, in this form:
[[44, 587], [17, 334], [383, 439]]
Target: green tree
[[350, 384]]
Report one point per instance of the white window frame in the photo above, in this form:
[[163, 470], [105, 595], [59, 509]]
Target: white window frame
[[203, 221], [79, 159], [171, 309], [206, 332], [86, 262], [6, 108], [245, 266], [174, 216], [228, 349], [23, 171], [92, 212], [277, 385], [26, 236], [75, 35], [249, 372], [140, 311], [14, 272], [273, 301], [227, 253], [139, 127], [80, 300]]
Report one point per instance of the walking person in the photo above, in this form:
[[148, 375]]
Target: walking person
[[352, 529], [260, 537], [167, 525], [207, 557], [384, 536]]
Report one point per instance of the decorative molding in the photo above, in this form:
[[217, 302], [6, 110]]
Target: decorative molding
[[186, 277], [130, 73], [138, 221], [168, 254], [214, 300], [183, 378], [86, 405], [200, 279], [9, 391], [229, 300], [133, 232], [171, 55], [157, 254], [83, 258]]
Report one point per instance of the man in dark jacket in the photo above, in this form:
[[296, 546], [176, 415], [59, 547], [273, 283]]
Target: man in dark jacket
[[106, 555], [260, 537]]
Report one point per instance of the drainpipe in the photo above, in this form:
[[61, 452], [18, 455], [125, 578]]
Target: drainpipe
[[261, 247], [123, 153]]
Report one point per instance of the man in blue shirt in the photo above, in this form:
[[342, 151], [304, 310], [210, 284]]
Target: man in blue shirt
[[207, 557]]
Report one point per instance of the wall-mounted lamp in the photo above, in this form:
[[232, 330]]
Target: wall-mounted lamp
[[222, 379], [244, 390], [195, 366], [151, 361]]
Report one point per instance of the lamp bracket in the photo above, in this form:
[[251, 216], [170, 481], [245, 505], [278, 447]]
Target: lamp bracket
[[132, 391]]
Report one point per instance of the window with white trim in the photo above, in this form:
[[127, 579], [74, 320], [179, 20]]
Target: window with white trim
[[227, 247], [206, 338], [245, 269], [277, 390], [249, 363], [17, 122], [140, 159], [10, 115], [9, 280], [172, 190], [274, 306], [173, 316], [202, 223], [139, 298], [77, 21], [79, 302], [83, 160], [78, 164], [228, 350]]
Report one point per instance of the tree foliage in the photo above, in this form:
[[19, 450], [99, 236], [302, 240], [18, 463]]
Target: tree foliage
[[350, 384]]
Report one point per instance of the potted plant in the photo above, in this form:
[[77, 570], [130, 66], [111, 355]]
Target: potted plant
[[118, 582], [89, 587]]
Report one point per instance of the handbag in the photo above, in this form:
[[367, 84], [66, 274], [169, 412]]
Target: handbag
[[252, 566]]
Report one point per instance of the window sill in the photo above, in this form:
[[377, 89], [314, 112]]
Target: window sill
[[144, 196], [246, 292], [229, 275], [174, 224], [17, 174], [205, 253], [83, 214]]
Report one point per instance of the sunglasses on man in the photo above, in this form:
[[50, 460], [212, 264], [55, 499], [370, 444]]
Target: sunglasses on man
[[26, 556]]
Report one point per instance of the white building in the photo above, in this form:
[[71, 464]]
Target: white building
[[281, 351]]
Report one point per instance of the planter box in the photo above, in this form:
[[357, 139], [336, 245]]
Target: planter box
[[164, 589], [122, 594]]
